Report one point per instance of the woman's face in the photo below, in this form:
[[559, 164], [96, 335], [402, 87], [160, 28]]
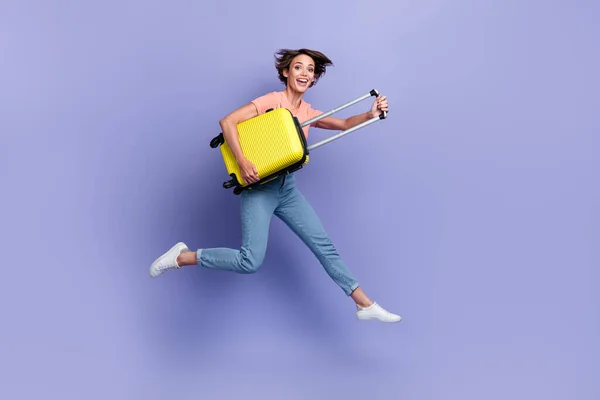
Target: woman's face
[[301, 73]]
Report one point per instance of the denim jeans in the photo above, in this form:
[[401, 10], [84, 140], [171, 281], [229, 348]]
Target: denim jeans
[[282, 199]]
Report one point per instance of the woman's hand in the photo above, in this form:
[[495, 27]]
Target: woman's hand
[[380, 104], [248, 171]]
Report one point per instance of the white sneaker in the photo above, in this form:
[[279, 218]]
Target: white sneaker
[[168, 260], [375, 311]]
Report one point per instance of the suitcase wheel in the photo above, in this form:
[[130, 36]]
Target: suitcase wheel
[[237, 191], [228, 184]]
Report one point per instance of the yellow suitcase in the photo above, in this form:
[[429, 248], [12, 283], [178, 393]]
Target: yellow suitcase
[[275, 143]]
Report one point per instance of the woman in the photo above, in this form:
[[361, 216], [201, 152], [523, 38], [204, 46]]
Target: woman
[[298, 70]]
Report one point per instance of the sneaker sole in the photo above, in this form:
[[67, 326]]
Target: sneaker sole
[[376, 319]]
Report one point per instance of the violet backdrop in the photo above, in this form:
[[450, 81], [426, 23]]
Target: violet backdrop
[[473, 210]]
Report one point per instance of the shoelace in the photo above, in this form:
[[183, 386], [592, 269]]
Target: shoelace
[[168, 266], [383, 310]]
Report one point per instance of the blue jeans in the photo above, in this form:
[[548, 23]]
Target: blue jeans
[[282, 199]]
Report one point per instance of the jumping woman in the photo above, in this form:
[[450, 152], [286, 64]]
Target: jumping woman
[[298, 70]]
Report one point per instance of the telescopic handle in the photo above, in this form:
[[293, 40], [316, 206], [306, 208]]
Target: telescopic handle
[[380, 117]]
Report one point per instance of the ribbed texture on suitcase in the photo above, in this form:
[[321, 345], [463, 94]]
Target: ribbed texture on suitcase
[[270, 141]]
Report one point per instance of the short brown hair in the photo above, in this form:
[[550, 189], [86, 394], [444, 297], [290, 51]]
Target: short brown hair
[[284, 57]]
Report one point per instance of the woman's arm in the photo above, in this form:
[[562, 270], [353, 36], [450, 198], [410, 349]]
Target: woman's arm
[[231, 136], [340, 124], [229, 127]]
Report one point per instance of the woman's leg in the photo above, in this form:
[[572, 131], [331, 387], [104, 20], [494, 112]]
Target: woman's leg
[[256, 209], [297, 213]]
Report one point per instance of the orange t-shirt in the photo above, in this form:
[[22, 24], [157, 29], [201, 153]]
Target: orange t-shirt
[[278, 100]]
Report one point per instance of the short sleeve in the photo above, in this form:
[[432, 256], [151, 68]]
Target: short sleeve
[[263, 103], [313, 113]]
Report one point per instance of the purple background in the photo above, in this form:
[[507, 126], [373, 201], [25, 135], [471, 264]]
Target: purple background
[[473, 210]]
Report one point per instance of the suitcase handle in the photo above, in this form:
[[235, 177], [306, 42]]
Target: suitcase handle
[[373, 93], [380, 117]]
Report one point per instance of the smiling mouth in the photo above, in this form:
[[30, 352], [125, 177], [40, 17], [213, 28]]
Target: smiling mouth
[[302, 81]]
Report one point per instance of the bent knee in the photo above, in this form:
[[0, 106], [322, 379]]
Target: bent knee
[[250, 265]]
